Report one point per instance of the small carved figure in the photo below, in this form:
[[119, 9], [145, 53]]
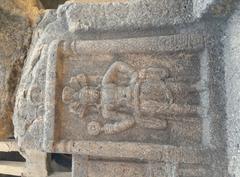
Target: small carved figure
[[127, 94], [126, 97], [79, 95]]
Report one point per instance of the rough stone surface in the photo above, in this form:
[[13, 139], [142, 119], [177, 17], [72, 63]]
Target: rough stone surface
[[15, 35], [232, 67], [23, 119], [133, 88], [200, 6], [53, 26], [130, 15], [36, 163]]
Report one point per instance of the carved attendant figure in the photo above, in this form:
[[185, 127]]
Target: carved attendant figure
[[126, 97], [128, 94], [79, 95], [117, 97]]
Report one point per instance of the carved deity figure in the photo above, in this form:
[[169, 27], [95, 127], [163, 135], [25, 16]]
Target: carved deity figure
[[126, 97]]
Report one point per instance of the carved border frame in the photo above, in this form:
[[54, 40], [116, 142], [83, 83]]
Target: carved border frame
[[160, 44]]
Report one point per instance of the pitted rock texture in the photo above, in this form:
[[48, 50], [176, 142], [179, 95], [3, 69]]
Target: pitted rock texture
[[231, 43], [130, 15], [68, 22], [15, 35], [128, 84], [29, 124]]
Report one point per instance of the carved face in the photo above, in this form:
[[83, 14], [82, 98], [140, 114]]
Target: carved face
[[89, 96]]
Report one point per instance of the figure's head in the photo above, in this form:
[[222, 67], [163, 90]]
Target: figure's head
[[89, 96]]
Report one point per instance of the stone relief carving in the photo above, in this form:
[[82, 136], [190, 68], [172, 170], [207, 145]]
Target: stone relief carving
[[124, 98], [79, 95], [30, 114], [142, 106]]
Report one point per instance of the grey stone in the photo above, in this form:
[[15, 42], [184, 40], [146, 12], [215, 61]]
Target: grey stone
[[130, 15], [15, 35], [132, 88], [231, 40]]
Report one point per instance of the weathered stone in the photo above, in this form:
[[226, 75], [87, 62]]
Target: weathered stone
[[231, 40], [15, 35], [127, 88], [36, 163], [96, 168], [156, 93], [23, 119], [131, 15]]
